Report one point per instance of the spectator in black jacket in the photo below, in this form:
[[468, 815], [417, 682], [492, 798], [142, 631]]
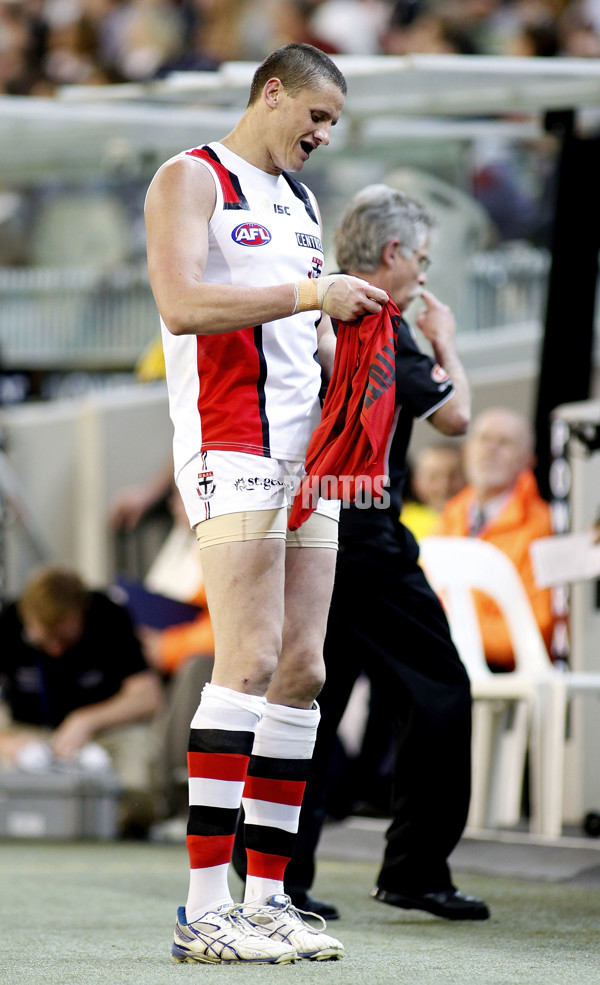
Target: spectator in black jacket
[[73, 673]]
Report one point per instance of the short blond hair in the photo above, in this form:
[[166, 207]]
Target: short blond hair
[[297, 66], [51, 594]]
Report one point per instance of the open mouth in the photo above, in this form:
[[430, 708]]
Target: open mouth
[[306, 147]]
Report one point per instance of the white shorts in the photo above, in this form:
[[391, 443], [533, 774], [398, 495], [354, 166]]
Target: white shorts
[[216, 483]]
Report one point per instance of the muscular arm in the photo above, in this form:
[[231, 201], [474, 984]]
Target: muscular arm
[[138, 698], [179, 204], [438, 325]]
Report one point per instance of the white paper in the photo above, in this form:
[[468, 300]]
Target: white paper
[[564, 558]]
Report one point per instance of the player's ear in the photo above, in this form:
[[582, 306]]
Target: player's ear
[[272, 92]]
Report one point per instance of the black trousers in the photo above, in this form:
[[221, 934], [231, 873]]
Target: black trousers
[[386, 621]]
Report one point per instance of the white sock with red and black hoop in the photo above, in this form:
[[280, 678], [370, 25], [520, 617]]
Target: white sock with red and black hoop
[[281, 754], [221, 740]]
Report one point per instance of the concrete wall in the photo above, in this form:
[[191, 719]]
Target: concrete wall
[[63, 463]]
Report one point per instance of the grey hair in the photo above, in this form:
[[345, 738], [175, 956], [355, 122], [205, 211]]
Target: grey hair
[[376, 215]]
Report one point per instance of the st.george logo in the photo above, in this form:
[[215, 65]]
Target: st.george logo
[[251, 234]]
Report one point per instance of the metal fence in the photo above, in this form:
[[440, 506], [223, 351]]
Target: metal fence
[[75, 318], [507, 286], [81, 318]]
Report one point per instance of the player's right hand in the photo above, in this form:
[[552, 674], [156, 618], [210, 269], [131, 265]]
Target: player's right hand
[[347, 298]]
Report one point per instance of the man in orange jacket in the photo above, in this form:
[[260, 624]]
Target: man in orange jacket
[[502, 504]]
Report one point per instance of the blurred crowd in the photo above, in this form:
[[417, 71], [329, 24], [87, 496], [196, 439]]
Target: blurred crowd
[[49, 43]]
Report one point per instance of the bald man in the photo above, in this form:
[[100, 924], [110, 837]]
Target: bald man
[[438, 474], [501, 504]]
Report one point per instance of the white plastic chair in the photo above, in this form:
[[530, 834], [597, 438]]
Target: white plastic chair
[[455, 566]]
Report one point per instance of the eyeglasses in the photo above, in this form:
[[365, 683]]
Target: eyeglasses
[[423, 261]]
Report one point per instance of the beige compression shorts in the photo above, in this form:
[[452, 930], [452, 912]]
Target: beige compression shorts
[[317, 531]]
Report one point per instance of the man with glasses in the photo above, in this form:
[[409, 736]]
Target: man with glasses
[[385, 621]]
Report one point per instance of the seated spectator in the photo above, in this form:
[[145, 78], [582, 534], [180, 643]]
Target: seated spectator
[[579, 29], [502, 504], [419, 27], [175, 575], [351, 27], [73, 673], [436, 476], [170, 612]]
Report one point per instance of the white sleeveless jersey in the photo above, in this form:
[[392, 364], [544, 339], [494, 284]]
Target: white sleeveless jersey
[[255, 390]]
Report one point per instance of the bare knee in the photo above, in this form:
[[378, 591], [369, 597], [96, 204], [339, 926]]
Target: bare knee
[[249, 669], [299, 677]]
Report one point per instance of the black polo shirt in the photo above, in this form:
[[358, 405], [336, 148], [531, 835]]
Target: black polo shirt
[[43, 690]]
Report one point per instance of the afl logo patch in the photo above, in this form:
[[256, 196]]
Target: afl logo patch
[[439, 375], [251, 234]]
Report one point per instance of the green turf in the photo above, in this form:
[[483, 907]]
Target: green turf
[[103, 914]]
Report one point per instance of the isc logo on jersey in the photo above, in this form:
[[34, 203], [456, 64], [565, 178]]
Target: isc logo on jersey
[[251, 234]]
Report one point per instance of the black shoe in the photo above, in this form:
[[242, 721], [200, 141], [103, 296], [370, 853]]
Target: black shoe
[[449, 903], [322, 907]]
